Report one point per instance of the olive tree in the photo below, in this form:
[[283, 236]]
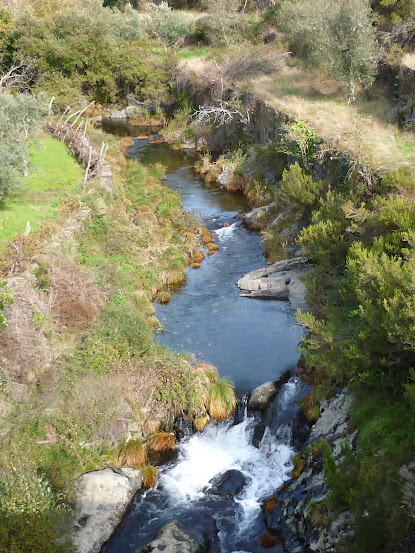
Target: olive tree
[[338, 36], [20, 117]]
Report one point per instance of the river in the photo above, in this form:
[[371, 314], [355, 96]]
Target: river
[[251, 342]]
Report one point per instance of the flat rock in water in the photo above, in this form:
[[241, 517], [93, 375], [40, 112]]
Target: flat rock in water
[[280, 281], [228, 484], [176, 537], [101, 501]]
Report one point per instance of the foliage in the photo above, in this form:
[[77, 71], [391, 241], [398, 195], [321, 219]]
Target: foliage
[[298, 193], [303, 143], [5, 299], [132, 453], [30, 512], [90, 53], [337, 36], [165, 24], [162, 441], [20, 117]]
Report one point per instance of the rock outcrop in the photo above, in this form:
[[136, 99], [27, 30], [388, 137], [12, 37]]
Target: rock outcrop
[[300, 513], [101, 501], [280, 281], [256, 219], [176, 537]]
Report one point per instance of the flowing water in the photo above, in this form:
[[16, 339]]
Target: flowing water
[[251, 341]]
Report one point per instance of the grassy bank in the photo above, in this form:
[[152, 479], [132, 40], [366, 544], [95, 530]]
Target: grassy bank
[[53, 174], [89, 374]]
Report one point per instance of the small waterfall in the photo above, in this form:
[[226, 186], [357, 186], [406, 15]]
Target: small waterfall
[[220, 448]]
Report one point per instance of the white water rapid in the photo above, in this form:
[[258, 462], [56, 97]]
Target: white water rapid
[[222, 447]]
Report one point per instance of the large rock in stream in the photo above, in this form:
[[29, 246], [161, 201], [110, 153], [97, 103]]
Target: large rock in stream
[[280, 281], [228, 484], [102, 498], [176, 537], [262, 397]]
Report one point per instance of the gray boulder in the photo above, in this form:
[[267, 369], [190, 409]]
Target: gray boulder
[[265, 394], [256, 218], [176, 537], [280, 281], [102, 498]]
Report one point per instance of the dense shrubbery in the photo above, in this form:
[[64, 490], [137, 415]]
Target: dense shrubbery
[[337, 36], [360, 333], [88, 53]]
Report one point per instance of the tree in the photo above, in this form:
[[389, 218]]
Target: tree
[[20, 116], [338, 36]]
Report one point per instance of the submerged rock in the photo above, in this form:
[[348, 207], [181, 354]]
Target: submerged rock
[[176, 537], [280, 281], [101, 501], [228, 484]]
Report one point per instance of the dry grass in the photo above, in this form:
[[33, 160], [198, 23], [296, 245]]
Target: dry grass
[[206, 237], [133, 453], [150, 475], [195, 265], [222, 399], [200, 423], [163, 297], [163, 441], [352, 128], [197, 256]]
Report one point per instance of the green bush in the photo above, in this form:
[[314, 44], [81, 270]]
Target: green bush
[[298, 193]]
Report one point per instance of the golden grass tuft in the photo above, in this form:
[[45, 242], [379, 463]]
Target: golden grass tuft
[[195, 265], [222, 399], [170, 278], [133, 453], [162, 441], [150, 475], [163, 297], [200, 422], [299, 464], [152, 426], [197, 255], [206, 237], [212, 247]]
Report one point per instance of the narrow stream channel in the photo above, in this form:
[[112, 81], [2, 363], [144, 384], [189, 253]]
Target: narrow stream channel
[[251, 342]]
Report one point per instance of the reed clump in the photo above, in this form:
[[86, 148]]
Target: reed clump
[[133, 453], [200, 423], [162, 441], [197, 255], [150, 474], [163, 297], [222, 399]]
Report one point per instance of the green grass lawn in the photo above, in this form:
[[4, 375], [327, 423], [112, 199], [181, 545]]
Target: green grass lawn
[[53, 172]]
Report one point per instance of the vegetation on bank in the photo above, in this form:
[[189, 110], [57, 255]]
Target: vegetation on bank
[[357, 229], [108, 370]]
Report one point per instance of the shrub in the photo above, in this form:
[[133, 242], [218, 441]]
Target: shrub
[[298, 193], [337, 36], [164, 23]]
